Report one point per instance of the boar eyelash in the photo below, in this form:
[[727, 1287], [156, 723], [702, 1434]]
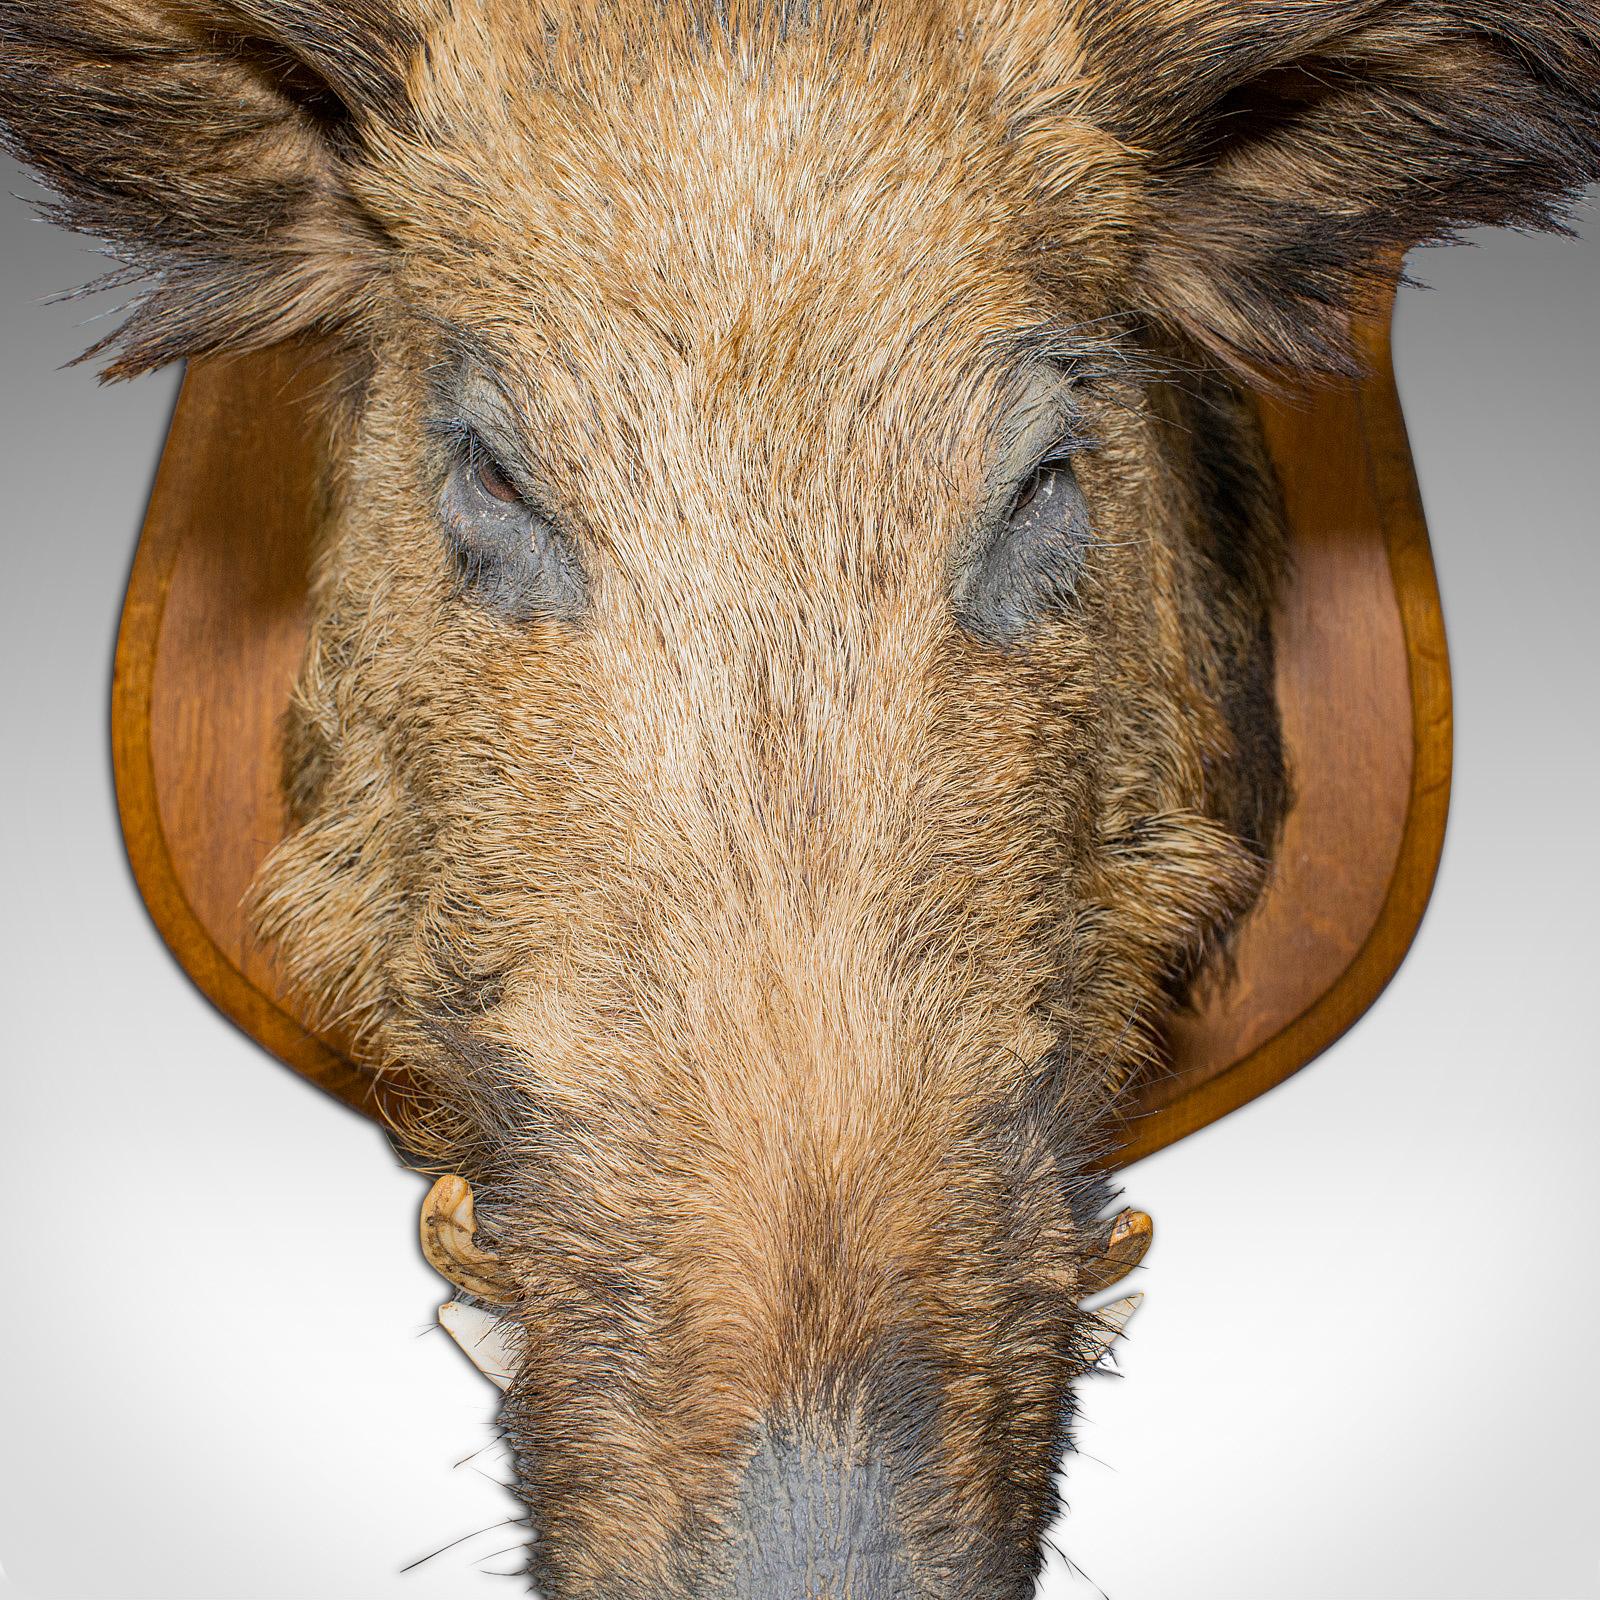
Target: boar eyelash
[[469, 450], [456, 436], [462, 437]]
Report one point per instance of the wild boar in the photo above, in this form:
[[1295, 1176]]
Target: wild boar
[[789, 702]]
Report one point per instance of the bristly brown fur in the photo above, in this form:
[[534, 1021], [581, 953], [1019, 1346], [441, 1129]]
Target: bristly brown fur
[[770, 942]]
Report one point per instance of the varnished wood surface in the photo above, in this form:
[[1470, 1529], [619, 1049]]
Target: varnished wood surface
[[214, 623], [1364, 688], [212, 630]]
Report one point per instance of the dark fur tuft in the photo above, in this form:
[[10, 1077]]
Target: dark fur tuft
[[1297, 150], [211, 147]]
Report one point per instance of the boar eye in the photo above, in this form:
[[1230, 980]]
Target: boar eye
[[493, 480], [1026, 566], [510, 556]]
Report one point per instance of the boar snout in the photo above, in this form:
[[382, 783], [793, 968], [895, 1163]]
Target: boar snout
[[815, 1519], [827, 1451]]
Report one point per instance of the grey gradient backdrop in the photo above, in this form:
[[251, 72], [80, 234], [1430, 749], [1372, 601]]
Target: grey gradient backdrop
[[1366, 1366]]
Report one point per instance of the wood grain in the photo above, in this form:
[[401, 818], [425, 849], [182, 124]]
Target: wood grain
[[1364, 688], [214, 623], [212, 631]]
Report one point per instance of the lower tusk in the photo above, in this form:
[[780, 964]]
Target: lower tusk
[[449, 1224], [486, 1340], [1106, 1326]]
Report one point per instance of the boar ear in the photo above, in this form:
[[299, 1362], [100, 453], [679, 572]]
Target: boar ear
[[1296, 149], [213, 144]]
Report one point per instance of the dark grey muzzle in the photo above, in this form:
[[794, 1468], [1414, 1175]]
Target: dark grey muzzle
[[815, 1519]]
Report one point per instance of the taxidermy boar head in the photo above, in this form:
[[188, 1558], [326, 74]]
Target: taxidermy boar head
[[789, 703]]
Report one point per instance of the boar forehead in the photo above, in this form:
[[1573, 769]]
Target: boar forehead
[[676, 163], [756, 218]]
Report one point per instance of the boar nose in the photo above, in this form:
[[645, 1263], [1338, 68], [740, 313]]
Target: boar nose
[[815, 1519]]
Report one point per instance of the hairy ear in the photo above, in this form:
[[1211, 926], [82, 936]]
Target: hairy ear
[[1295, 148], [213, 144]]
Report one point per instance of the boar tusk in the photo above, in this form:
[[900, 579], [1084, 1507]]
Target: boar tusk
[[1106, 1325], [486, 1340], [448, 1226], [1126, 1245]]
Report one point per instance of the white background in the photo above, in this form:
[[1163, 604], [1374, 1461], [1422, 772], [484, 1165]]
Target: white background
[[1366, 1366]]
